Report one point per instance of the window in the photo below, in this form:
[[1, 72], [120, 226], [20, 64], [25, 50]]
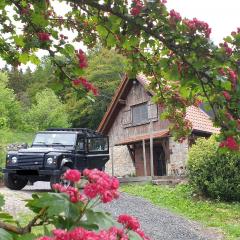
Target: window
[[140, 113], [97, 144], [80, 144]]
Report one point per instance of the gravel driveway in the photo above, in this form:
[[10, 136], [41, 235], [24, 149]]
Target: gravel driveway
[[158, 223]]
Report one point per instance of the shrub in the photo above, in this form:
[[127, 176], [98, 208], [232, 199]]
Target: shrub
[[48, 111], [212, 172]]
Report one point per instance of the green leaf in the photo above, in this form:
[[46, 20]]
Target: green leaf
[[115, 22], [87, 225], [57, 203], [4, 235], [101, 219], [6, 217], [39, 19], [102, 31], [19, 40], [70, 49], [56, 86], [34, 59], [111, 41], [134, 236], [29, 236], [228, 39], [2, 4], [23, 58], [77, 71]]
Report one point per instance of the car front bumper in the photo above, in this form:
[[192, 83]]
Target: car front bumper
[[39, 172]]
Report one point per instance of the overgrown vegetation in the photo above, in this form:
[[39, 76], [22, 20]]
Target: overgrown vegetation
[[105, 70], [224, 216], [10, 109], [212, 172], [48, 111]]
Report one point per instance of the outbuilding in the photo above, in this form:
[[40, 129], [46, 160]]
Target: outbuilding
[[140, 142]]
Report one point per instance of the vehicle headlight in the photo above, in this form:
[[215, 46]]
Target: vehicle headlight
[[14, 159], [50, 161]]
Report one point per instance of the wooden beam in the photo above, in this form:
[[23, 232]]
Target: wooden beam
[[112, 161], [122, 102], [151, 148], [144, 158], [151, 157]]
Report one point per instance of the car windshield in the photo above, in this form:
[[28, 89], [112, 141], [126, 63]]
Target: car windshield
[[60, 139]]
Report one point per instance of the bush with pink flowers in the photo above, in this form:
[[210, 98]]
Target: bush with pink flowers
[[71, 212]]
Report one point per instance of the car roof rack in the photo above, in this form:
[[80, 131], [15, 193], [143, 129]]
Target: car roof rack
[[85, 131]]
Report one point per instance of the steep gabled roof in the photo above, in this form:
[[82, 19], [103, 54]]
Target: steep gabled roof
[[199, 119]]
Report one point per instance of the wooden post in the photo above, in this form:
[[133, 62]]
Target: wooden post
[[112, 160], [144, 158], [151, 150]]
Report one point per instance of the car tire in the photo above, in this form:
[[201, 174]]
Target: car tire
[[14, 181], [57, 179]]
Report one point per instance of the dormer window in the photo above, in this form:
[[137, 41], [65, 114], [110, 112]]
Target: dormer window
[[140, 113]]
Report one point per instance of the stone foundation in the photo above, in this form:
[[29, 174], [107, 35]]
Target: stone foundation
[[122, 162], [178, 157]]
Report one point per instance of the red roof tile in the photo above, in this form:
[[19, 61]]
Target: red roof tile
[[200, 120]]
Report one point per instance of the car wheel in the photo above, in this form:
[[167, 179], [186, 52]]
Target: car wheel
[[60, 179], [14, 181]]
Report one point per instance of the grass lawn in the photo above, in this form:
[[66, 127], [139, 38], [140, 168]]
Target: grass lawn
[[224, 216]]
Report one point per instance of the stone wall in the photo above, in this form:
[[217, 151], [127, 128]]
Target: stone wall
[[178, 157], [120, 163]]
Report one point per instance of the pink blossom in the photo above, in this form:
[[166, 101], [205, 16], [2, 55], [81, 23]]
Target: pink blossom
[[100, 184], [222, 71], [196, 24], [76, 82], [45, 238], [142, 234], [82, 59], [43, 36], [72, 175], [230, 143], [129, 222], [233, 78], [175, 16], [226, 95], [137, 7], [227, 49]]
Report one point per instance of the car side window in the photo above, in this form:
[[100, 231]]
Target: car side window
[[80, 144]]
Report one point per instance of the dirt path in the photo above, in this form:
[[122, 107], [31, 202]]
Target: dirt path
[[158, 223]]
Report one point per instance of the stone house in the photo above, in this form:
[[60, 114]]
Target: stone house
[[140, 143]]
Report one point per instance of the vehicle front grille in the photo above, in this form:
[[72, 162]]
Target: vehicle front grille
[[30, 161]]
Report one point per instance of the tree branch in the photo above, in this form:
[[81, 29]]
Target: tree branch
[[27, 228]]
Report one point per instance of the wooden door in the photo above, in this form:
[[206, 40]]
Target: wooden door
[[159, 160]]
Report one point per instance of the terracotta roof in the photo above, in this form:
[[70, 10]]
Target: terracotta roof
[[139, 138], [200, 120]]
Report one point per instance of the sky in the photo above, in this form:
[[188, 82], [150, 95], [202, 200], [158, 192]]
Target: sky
[[222, 16]]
